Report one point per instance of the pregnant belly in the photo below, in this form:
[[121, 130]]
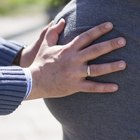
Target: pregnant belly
[[104, 115]]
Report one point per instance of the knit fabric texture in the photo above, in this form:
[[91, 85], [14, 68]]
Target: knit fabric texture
[[88, 116], [13, 83]]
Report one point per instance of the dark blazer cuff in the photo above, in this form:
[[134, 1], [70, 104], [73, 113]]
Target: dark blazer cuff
[[8, 51]]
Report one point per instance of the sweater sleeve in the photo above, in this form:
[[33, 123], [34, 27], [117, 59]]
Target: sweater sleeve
[[13, 87], [8, 51]]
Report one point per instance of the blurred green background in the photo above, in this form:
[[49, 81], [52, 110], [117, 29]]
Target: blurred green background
[[19, 6]]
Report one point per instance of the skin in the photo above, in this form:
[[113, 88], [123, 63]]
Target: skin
[[29, 53], [61, 70]]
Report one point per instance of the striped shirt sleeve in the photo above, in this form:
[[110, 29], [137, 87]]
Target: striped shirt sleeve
[[15, 82], [13, 88]]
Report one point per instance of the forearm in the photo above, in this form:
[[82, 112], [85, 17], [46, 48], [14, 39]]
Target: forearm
[[27, 56], [13, 87]]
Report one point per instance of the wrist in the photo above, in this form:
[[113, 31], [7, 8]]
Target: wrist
[[36, 92], [25, 59], [18, 58], [28, 55]]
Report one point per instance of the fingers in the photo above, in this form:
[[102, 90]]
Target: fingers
[[102, 69], [59, 27], [100, 49], [88, 86], [91, 35], [42, 35], [53, 33]]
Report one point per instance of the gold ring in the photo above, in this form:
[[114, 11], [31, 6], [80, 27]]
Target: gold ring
[[88, 71]]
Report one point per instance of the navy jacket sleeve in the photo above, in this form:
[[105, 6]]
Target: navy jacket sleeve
[[8, 51], [13, 82]]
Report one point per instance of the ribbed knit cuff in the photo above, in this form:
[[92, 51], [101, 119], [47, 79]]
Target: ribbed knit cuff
[[29, 82], [13, 87], [8, 51]]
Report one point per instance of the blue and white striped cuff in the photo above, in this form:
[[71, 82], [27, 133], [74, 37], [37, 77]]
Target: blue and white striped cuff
[[29, 82]]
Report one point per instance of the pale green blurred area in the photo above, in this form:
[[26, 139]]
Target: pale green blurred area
[[21, 6], [12, 6]]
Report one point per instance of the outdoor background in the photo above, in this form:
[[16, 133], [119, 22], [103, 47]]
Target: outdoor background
[[23, 20]]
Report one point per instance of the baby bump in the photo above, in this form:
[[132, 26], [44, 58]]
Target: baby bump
[[81, 110]]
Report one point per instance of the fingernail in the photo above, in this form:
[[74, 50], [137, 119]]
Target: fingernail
[[109, 25], [121, 41], [115, 88], [62, 19], [52, 22], [122, 65]]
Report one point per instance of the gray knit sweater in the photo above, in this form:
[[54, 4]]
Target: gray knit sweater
[[13, 83], [104, 116]]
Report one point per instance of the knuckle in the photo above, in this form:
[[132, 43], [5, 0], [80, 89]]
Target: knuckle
[[91, 88], [72, 56], [75, 42], [99, 88], [87, 35], [74, 60], [114, 66], [50, 29], [68, 73], [95, 70], [66, 51], [111, 67], [97, 49], [113, 44], [83, 55], [101, 29], [80, 86], [78, 60], [103, 88]]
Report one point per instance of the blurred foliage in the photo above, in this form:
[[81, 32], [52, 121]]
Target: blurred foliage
[[9, 6], [55, 3]]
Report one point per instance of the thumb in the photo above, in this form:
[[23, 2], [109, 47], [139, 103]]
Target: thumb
[[53, 33], [42, 35]]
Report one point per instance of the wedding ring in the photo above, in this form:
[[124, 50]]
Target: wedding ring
[[88, 71]]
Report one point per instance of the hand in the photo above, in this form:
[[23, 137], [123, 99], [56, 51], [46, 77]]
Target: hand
[[61, 70], [29, 53]]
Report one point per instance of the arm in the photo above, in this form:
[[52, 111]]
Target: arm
[[8, 52], [60, 70], [13, 82], [13, 87]]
